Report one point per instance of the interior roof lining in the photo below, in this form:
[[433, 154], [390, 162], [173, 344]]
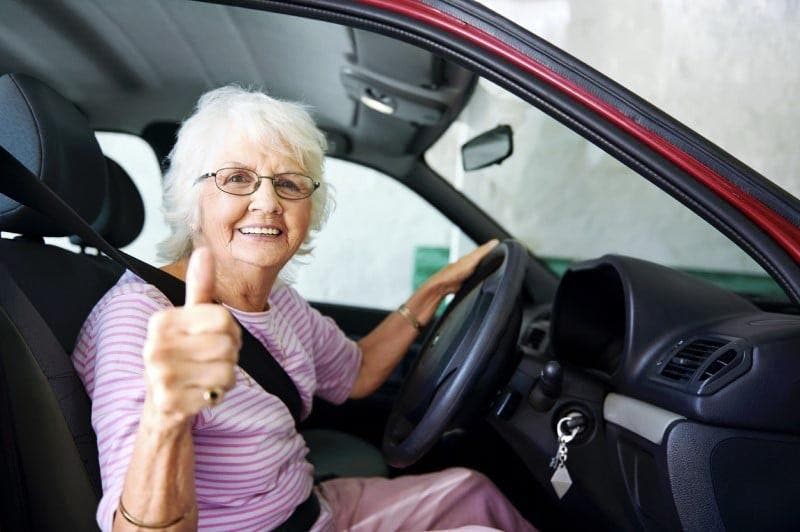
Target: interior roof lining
[[206, 74], [150, 76], [248, 51], [134, 81]]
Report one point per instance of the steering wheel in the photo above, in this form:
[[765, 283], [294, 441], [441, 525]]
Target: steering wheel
[[462, 357]]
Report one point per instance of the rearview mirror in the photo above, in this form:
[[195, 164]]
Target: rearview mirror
[[490, 147]]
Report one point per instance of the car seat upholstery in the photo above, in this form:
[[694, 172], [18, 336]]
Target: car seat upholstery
[[339, 454], [121, 217]]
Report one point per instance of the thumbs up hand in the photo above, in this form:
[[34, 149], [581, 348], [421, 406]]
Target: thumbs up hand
[[191, 351]]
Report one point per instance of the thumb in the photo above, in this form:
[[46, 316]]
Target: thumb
[[200, 277]]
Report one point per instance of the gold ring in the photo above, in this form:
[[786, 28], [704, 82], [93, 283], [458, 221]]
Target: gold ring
[[213, 396]]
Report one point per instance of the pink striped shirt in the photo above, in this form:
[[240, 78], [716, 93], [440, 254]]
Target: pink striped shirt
[[250, 466]]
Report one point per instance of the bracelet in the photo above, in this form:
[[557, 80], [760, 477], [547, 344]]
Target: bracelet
[[164, 524], [404, 311]]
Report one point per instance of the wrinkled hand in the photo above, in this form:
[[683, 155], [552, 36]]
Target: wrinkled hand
[[449, 279], [191, 349]]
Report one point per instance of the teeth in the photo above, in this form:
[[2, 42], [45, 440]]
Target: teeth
[[260, 231]]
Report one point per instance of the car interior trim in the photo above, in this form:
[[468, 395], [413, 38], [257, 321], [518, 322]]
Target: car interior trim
[[648, 421]]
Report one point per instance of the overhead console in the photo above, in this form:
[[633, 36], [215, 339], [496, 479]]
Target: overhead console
[[418, 95]]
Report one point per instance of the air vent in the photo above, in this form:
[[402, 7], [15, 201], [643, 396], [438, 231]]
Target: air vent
[[722, 362], [684, 364]]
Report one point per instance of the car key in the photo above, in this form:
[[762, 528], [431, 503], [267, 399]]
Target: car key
[[561, 480]]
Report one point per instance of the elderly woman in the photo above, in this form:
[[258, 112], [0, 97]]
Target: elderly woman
[[186, 438]]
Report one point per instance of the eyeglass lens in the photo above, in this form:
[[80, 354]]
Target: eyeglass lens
[[242, 182]]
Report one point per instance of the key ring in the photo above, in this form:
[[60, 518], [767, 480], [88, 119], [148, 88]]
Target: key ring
[[562, 434]]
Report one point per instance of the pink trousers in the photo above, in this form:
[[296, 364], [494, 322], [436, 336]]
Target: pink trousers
[[455, 498]]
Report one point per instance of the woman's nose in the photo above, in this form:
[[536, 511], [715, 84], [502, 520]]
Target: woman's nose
[[265, 198]]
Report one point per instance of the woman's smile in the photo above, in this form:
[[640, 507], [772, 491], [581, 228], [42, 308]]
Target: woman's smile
[[260, 231]]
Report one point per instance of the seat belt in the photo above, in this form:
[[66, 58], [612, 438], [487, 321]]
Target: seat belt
[[21, 185]]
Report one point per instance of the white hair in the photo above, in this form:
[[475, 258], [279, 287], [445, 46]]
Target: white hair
[[232, 111]]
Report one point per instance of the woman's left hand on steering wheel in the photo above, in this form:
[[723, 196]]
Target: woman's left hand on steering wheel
[[449, 279]]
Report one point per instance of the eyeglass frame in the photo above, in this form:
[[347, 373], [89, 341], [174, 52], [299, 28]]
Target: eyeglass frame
[[258, 185]]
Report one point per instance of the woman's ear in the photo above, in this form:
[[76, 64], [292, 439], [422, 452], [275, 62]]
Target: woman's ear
[[195, 231], [194, 224]]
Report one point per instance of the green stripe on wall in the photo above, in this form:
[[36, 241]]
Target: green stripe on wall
[[741, 283], [427, 261], [430, 259]]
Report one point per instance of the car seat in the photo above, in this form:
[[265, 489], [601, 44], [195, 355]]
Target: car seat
[[49, 448]]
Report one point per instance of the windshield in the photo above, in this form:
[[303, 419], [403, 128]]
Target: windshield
[[567, 200]]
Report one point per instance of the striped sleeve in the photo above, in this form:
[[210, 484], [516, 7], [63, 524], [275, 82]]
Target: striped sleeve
[[118, 389], [337, 359]]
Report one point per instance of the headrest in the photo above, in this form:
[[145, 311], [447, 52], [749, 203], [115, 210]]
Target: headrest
[[52, 139], [121, 217]]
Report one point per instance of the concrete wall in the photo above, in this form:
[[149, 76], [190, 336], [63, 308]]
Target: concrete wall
[[726, 68], [566, 198], [721, 67]]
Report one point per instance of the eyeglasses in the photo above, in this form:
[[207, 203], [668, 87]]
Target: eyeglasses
[[243, 182]]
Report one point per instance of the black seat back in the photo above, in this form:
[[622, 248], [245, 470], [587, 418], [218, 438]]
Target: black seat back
[[49, 448]]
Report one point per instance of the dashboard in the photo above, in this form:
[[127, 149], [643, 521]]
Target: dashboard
[[690, 393]]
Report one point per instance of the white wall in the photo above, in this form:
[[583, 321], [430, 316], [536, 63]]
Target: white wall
[[365, 254], [566, 198], [726, 68]]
